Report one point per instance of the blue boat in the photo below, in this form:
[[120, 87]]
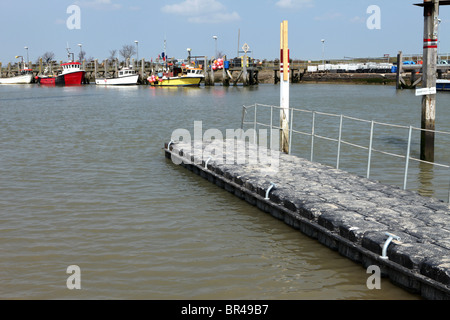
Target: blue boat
[[442, 85]]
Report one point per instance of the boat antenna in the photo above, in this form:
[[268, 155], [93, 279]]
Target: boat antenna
[[70, 53]]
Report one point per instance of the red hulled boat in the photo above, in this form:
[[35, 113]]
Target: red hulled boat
[[72, 74]]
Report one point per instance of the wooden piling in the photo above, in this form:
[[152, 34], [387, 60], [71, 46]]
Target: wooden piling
[[225, 76], [431, 13], [399, 78]]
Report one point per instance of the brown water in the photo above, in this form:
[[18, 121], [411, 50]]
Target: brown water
[[84, 181]]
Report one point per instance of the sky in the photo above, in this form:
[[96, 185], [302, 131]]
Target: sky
[[350, 28]]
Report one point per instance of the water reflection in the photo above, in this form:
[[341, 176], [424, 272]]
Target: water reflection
[[425, 178]]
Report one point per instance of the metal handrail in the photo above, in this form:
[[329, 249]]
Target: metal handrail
[[341, 141]]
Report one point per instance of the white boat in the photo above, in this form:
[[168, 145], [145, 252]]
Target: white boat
[[126, 76], [25, 77]]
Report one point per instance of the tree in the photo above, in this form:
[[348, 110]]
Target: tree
[[127, 51], [48, 57], [112, 55]]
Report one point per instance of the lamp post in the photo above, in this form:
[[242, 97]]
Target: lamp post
[[215, 40], [137, 51], [28, 59], [189, 54], [323, 52], [81, 51]]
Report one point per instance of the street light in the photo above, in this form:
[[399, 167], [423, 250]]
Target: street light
[[215, 40], [137, 51], [323, 51], [81, 51], [189, 54], [28, 59]]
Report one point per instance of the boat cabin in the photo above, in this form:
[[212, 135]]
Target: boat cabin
[[26, 71], [71, 67], [194, 72], [126, 73]]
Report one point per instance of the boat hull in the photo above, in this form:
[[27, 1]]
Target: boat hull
[[24, 79], [178, 82], [124, 81], [443, 85], [69, 79]]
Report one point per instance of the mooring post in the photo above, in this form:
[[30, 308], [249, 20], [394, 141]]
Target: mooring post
[[225, 77], [244, 70], [1, 70], [430, 45], [142, 76], [106, 62], [284, 87]]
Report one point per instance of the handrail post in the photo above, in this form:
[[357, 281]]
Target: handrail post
[[290, 130], [408, 153], [254, 139], [312, 135], [339, 143], [244, 112], [271, 126], [370, 149]]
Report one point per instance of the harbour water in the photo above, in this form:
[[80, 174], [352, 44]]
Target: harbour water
[[84, 181]]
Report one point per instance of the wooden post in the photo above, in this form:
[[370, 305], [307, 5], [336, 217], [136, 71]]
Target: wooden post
[[212, 80], [399, 70], [95, 68], [142, 75], [225, 77], [244, 70], [284, 87], [430, 43], [106, 67], [1, 70]]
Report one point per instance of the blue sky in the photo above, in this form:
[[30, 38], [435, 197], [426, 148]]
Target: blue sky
[[110, 24]]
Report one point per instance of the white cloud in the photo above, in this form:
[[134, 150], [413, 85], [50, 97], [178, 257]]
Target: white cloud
[[202, 11], [294, 4]]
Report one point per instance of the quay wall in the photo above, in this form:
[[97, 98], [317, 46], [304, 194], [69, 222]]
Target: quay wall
[[345, 212]]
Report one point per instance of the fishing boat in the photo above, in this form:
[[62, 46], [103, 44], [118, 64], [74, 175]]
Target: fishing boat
[[442, 85], [126, 76], [178, 77], [71, 74], [25, 76]]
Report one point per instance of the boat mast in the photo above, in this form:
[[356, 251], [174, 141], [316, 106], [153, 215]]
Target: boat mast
[[70, 53], [165, 53]]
